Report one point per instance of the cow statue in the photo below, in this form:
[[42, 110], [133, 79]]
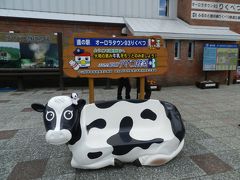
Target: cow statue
[[109, 133]]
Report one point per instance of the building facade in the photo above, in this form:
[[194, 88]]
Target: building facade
[[186, 26]]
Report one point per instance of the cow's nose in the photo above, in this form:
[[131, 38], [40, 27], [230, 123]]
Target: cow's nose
[[58, 137], [57, 134]]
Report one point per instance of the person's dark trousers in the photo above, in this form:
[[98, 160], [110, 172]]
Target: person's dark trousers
[[147, 89], [124, 82]]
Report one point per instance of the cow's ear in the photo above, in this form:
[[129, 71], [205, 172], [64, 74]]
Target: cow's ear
[[38, 107], [81, 102]]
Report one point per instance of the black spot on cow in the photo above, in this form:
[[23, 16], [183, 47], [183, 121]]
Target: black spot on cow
[[76, 129], [94, 155], [98, 123], [136, 101], [49, 116], [148, 114], [175, 118], [105, 104], [108, 104], [123, 143]]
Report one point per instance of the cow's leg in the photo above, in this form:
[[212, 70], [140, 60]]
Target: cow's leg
[[153, 160], [158, 159], [118, 163], [108, 161]]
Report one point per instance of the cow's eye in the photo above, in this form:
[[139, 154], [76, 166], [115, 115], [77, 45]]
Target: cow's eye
[[50, 115], [68, 114]]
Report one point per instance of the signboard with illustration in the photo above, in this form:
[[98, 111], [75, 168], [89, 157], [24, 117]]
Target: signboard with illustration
[[19, 50], [219, 57], [94, 56]]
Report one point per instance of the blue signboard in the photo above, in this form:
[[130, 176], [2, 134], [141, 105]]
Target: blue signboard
[[219, 57], [110, 42]]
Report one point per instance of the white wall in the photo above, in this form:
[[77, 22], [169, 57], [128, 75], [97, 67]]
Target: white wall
[[120, 8]]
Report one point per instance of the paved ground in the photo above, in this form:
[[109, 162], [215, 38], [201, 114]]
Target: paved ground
[[211, 151]]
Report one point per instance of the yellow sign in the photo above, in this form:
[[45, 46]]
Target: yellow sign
[[95, 56]]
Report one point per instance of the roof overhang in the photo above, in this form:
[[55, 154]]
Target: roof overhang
[[167, 28], [178, 29], [60, 16]]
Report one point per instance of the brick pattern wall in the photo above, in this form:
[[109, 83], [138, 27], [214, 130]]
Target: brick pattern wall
[[181, 72], [185, 71], [184, 13]]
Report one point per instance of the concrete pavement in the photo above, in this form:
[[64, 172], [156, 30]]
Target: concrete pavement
[[212, 141]]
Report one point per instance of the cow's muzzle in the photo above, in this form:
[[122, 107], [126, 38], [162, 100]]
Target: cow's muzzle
[[58, 137]]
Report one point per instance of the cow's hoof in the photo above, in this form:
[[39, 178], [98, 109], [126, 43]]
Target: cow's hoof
[[118, 163], [137, 163]]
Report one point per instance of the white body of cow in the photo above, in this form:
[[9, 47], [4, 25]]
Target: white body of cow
[[126, 131], [143, 129]]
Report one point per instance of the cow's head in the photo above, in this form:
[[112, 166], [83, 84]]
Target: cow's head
[[61, 117]]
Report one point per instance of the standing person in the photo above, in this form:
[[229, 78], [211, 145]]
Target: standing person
[[124, 82], [147, 89]]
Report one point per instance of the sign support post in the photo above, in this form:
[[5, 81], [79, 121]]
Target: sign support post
[[229, 77], [91, 89], [205, 75], [89, 55], [142, 87]]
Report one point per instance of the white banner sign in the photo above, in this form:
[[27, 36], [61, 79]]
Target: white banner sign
[[215, 16], [216, 6]]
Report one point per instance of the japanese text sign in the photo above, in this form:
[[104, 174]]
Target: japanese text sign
[[219, 57], [94, 56]]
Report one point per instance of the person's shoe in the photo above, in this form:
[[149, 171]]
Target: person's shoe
[[128, 97], [119, 97]]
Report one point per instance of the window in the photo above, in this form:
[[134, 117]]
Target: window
[[190, 50], [177, 49], [163, 7]]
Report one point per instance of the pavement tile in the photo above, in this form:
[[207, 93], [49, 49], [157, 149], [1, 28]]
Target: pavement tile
[[6, 168], [66, 93], [38, 148], [13, 155], [48, 92], [233, 142], [4, 101], [208, 123], [21, 139], [128, 172], [214, 145], [191, 148], [24, 120], [234, 121], [231, 157], [183, 167], [60, 177], [16, 94], [7, 134], [195, 134], [28, 170], [229, 175], [222, 131], [27, 110], [211, 164], [59, 166]]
